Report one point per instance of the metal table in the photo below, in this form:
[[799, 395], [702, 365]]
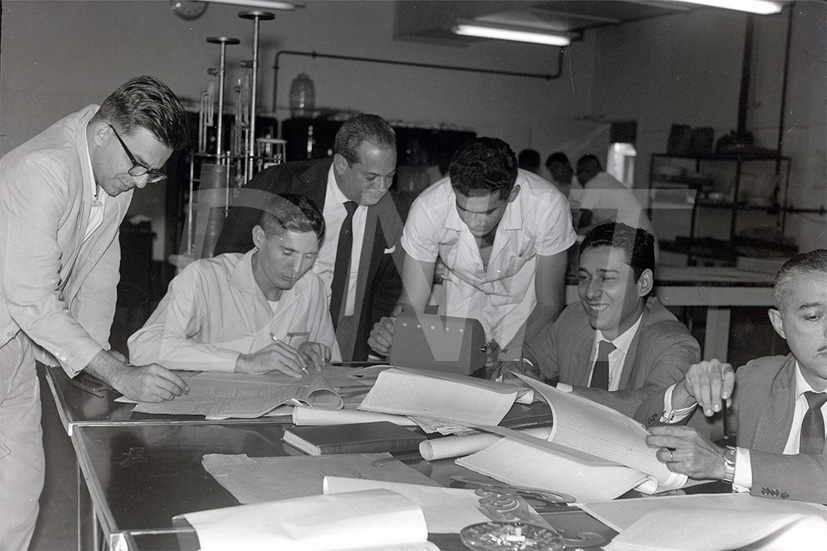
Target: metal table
[[140, 476]]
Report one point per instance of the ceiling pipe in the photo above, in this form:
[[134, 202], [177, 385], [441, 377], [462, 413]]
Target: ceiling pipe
[[546, 76]]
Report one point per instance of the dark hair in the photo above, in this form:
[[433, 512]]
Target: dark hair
[[813, 261], [636, 243], [557, 157], [589, 159], [486, 164], [528, 159], [291, 212], [363, 128], [147, 102]]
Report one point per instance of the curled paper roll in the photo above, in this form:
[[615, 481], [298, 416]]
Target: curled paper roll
[[457, 446], [312, 416]]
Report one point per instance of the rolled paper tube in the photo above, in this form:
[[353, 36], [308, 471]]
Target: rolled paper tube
[[312, 416], [457, 446]]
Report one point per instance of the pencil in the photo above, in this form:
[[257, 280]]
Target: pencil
[[304, 368]]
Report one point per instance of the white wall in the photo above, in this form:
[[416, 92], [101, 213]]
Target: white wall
[[57, 56]]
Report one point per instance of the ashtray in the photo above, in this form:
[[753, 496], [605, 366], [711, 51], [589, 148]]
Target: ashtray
[[515, 536]]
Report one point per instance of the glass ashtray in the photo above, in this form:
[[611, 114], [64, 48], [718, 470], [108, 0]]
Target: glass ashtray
[[515, 536]]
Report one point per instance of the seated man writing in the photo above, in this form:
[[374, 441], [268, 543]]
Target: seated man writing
[[778, 402], [618, 346], [252, 313], [502, 234]]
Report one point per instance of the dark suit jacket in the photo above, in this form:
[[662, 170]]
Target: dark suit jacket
[[379, 282], [763, 403], [658, 356]]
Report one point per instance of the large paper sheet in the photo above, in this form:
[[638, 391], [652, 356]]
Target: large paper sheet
[[684, 529], [517, 463], [620, 515], [234, 395], [261, 479], [583, 425], [446, 510], [357, 520], [446, 396]]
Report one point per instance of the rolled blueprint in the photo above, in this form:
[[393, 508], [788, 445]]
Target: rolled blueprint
[[457, 446], [313, 416]]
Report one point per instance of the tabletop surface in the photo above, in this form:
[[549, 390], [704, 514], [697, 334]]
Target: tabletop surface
[[140, 476]]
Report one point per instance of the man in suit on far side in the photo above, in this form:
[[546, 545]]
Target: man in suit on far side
[[352, 189]]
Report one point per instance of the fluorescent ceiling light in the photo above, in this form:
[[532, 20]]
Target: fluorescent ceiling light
[[761, 7], [503, 32], [264, 4]]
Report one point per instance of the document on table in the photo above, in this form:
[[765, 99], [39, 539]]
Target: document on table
[[711, 523], [447, 510], [445, 396], [593, 452], [373, 519], [234, 395], [260, 479]]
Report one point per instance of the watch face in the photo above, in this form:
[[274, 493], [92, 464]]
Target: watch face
[[187, 9]]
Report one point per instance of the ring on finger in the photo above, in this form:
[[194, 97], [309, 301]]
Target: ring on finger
[[670, 455]]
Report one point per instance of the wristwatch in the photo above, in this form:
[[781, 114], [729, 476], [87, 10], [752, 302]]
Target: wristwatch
[[729, 455]]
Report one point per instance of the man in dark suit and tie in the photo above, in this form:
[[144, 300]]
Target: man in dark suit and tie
[[777, 406], [618, 346], [360, 259]]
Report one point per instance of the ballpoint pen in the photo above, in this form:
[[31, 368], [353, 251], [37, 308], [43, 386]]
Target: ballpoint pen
[[290, 336]]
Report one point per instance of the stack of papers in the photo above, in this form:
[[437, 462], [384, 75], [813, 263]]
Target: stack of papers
[[593, 453], [446, 397]]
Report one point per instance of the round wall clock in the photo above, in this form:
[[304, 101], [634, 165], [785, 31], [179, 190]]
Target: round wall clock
[[187, 9]]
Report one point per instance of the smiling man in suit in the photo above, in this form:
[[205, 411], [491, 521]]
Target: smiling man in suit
[[618, 346], [360, 258], [778, 402]]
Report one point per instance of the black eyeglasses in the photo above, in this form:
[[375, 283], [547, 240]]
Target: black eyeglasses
[[139, 169]]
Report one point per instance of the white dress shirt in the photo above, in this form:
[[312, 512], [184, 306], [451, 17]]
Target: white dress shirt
[[98, 202], [334, 216]]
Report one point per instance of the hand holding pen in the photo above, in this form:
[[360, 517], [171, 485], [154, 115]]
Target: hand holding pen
[[278, 356]]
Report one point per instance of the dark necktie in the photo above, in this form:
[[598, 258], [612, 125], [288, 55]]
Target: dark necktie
[[812, 428], [600, 375], [341, 270]]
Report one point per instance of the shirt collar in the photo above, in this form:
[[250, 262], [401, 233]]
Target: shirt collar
[[333, 193], [624, 340], [512, 218], [801, 384]]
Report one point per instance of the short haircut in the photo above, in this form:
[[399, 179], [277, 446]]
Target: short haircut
[[557, 157], [291, 212], [484, 164], [804, 263], [528, 159], [147, 102], [359, 129], [636, 243], [589, 159]]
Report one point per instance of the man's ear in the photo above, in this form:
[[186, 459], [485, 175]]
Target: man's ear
[[515, 191], [99, 131], [645, 283], [777, 322], [340, 164], [258, 236]]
